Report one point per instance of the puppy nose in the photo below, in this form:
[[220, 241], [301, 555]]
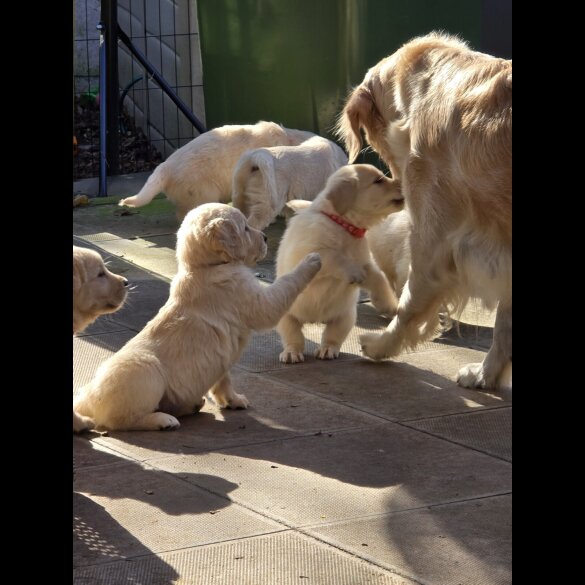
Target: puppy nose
[[265, 237], [126, 283]]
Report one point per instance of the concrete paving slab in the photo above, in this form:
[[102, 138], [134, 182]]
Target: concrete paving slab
[[488, 431], [162, 511], [346, 474], [276, 412], [463, 543], [416, 385], [278, 559]]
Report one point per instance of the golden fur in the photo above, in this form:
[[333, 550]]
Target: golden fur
[[266, 178], [201, 171], [96, 291], [188, 348], [362, 196], [440, 115]]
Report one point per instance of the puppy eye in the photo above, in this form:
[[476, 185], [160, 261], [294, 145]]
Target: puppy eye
[[247, 229], [380, 179], [102, 273]]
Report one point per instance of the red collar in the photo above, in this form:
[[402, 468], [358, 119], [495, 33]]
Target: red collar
[[355, 231]]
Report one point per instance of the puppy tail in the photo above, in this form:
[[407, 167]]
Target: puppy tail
[[156, 184], [255, 161]]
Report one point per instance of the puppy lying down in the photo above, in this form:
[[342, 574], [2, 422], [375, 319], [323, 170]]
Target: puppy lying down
[[355, 198], [186, 351]]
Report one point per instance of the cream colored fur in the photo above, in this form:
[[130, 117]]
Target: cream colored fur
[[186, 351], [201, 171], [96, 291], [440, 115], [266, 178], [362, 196]]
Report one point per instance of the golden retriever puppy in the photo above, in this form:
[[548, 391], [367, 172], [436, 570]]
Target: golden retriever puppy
[[186, 350], [440, 115], [96, 291], [266, 178], [201, 171], [389, 244], [355, 198]]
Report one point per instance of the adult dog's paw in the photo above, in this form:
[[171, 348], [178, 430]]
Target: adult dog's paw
[[372, 345], [291, 357], [471, 376]]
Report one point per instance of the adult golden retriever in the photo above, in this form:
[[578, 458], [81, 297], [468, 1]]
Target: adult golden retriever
[[96, 291], [186, 350], [355, 198], [440, 115], [201, 171]]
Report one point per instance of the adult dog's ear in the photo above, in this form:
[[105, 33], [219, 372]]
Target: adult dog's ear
[[341, 191], [226, 239], [360, 111]]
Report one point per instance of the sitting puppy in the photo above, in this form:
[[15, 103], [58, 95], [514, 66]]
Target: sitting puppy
[[201, 171], [96, 291], [187, 349], [266, 178], [355, 198]]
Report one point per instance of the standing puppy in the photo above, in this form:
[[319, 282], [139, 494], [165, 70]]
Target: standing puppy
[[266, 178], [355, 198], [215, 303]]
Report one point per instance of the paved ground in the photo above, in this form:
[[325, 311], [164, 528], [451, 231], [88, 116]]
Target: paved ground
[[340, 473]]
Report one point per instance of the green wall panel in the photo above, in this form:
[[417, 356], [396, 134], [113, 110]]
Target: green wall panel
[[294, 61]]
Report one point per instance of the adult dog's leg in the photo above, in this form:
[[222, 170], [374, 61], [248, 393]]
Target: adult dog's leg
[[487, 373], [290, 330], [417, 319], [224, 396], [334, 335]]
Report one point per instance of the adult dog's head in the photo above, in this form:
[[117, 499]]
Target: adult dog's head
[[96, 290], [361, 194], [215, 233]]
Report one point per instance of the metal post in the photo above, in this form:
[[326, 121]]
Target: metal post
[[109, 17], [103, 185]]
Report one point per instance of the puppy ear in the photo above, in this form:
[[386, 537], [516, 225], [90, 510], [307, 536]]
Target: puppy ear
[[342, 192], [226, 239], [360, 110], [79, 274], [294, 206]]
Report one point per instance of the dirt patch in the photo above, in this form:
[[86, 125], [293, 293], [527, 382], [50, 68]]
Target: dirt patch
[[136, 154]]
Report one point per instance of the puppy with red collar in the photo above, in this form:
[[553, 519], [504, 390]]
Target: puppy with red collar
[[355, 198]]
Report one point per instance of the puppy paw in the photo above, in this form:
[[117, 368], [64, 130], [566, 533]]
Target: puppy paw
[[81, 423], [327, 352], [165, 422], [372, 346], [291, 357], [356, 275], [313, 261], [238, 401], [471, 376], [445, 321]]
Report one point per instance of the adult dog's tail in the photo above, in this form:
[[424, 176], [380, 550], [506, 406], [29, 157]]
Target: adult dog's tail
[[156, 184]]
